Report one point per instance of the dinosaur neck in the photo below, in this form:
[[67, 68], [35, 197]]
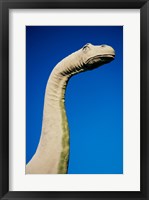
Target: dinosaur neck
[[53, 149], [55, 126]]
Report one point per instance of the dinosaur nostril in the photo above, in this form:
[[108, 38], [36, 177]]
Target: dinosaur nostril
[[103, 45]]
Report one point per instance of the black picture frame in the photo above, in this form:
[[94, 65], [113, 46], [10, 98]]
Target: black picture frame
[[5, 5]]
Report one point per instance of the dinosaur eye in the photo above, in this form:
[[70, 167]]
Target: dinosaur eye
[[86, 47]]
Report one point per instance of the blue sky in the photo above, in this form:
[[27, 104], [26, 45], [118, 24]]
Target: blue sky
[[94, 99]]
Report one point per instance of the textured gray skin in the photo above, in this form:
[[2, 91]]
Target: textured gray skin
[[52, 153]]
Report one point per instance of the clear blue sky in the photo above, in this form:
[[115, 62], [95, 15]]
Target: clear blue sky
[[94, 99]]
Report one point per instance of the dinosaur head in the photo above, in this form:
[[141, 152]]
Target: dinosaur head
[[87, 58], [95, 56]]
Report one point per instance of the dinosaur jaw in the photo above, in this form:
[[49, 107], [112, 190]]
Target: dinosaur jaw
[[98, 60], [107, 58]]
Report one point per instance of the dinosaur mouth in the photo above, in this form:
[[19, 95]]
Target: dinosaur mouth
[[98, 60], [101, 57], [108, 56]]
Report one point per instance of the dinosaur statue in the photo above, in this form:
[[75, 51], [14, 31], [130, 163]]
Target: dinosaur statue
[[52, 154]]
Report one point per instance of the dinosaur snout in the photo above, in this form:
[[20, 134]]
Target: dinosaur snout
[[99, 55], [106, 49]]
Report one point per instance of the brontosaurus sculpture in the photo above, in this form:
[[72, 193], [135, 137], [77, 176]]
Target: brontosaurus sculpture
[[52, 153]]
